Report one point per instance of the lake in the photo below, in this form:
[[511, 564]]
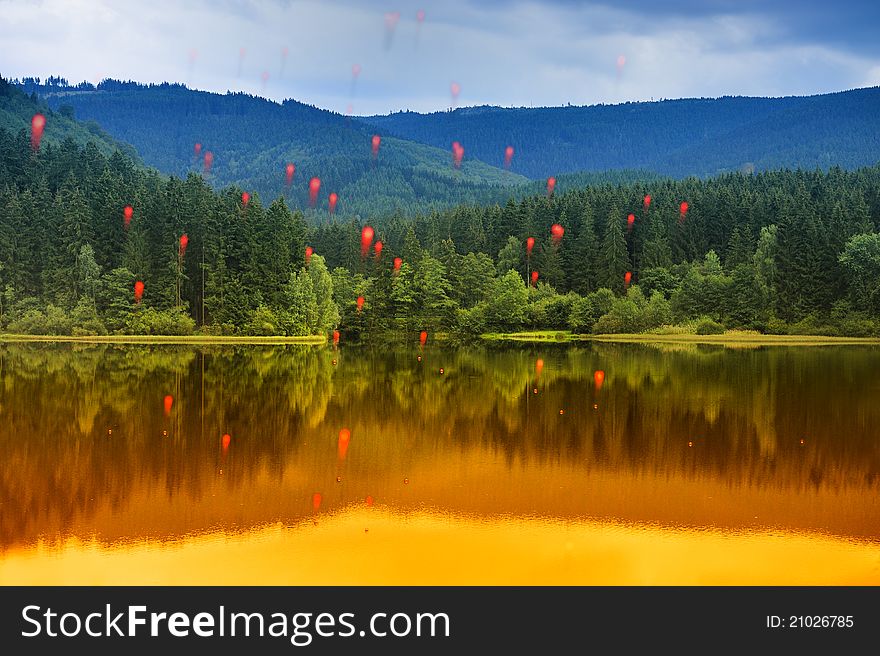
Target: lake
[[502, 464]]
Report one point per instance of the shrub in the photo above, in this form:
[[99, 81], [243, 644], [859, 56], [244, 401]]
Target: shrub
[[707, 326], [52, 321], [585, 311], [262, 322], [634, 314], [776, 326], [85, 321], [557, 311], [658, 279], [31, 322], [472, 322], [150, 321]]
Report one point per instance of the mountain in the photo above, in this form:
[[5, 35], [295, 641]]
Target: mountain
[[17, 108], [252, 140], [678, 138]]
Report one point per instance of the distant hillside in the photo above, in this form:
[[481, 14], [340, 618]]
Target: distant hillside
[[17, 109], [252, 139], [678, 138]]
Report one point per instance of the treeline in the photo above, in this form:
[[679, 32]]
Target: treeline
[[251, 140], [788, 251], [17, 108], [678, 138]]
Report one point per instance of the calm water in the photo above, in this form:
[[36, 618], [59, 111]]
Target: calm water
[[691, 465]]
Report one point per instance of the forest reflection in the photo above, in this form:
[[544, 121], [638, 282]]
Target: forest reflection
[[690, 436]]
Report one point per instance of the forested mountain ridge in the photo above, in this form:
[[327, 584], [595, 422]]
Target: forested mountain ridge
[[18, 108], [783, 251], [252, 140], [678, 138]]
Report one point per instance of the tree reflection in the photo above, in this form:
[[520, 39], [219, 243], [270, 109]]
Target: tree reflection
[[83, 427]]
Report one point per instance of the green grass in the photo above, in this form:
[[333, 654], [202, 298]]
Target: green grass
[[730, 338], [166, 339], [733, 338], [532, 336]]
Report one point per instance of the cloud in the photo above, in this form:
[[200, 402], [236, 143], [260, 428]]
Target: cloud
[[509, 53]]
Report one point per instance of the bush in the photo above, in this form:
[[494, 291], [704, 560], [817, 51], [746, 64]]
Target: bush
[[85, 321], [557, 311], [858, 325], [625, 317], [585, 311], [851, 322], [634, 314], [31, 322], [150, 321], [811, 324], [776, 326], [707, 326], [658, 279], [472, 322], [262, 322], [52, 321], [536, 315], [657, 312]]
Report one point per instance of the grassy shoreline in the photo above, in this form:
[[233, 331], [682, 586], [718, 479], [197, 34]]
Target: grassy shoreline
[[731, 338], [313, 340]]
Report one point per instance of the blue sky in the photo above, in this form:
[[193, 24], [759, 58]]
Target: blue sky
[[499, 52]]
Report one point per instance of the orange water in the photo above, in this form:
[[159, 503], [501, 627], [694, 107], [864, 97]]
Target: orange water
[[696, 466]]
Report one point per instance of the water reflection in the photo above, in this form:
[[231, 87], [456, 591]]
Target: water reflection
[[728, 449]]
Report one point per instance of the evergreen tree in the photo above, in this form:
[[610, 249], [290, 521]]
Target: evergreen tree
[[88, 274], [740, 248], [580, 261], [432, 292], [512, 256], [613, 257]]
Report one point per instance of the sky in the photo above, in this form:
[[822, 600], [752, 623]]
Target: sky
[[497, 52]]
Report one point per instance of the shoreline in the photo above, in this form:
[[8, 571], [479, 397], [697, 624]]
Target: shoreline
[[732, 338], [309, 340], [726, 339]]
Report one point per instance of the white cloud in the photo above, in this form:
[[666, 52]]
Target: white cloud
[[506, 53]]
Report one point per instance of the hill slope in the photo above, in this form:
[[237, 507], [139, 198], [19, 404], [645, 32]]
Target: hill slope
[[17, 109], [252, 139], [673, 137]]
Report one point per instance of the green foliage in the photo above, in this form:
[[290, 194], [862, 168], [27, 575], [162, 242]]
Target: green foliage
[[63, 244], [472, 322], [251, 138], [613, 256], [861, 261], [512, 256], [702, 291], [690, 137], [708, 326], [658, 279], [634, 313], [263, 321], [431, 293], [474, 276], [151, 321], [746, 303], [556, 310], [586, 310], [507, 305], [51, 321], [17, 108], [84, 319]]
